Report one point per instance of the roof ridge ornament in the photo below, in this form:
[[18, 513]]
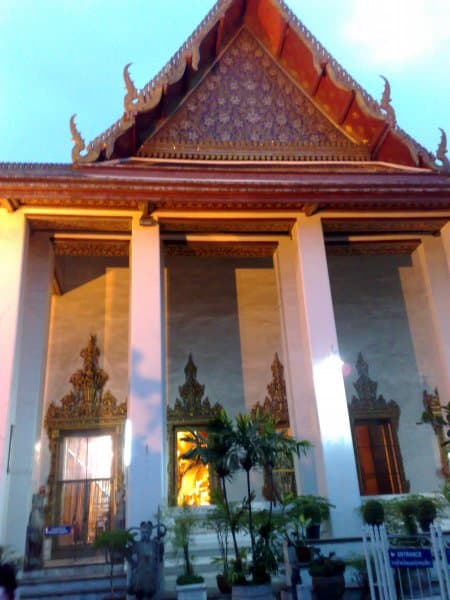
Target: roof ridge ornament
[[79, 145], [129, 101], [386, 105], [442, 151]]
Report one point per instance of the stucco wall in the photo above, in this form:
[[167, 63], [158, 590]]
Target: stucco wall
[[225, 312], [380, 311]]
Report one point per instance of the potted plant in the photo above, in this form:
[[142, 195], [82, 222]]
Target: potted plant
[[190, 586], [295, 530], [426, 513], [250, 442], [327, 574], [217, 520], [314, 510], [373, 512], [114, 543]]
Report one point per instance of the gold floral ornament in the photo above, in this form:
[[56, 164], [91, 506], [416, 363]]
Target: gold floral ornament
[[275, 404], [87, 402]]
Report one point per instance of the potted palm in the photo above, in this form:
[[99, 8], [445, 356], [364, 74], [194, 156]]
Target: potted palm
[[217, 520], [250, 442], [308, 510], [190, 586], [327, 574], [295, 529]]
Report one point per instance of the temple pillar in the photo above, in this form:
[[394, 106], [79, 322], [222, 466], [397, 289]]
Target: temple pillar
[[25, 448], [433, 255], [13, 246], [445, 235], [299, 386], [146, 427], [321, 408]]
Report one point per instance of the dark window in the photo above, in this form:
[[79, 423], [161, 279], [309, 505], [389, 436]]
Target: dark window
[[377, 457]]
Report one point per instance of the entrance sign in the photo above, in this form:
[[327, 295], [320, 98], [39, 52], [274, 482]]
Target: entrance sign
[[410, 557], [55, 530]]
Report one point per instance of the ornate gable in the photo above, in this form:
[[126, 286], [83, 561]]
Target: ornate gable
[[246, 107], [143, 129]]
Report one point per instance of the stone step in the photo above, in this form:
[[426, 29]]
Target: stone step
[[61, 582], [91, 581]]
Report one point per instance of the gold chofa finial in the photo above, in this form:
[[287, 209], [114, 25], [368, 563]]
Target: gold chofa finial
[[129, 101], [386, 103], [78, 142], [442, 151]]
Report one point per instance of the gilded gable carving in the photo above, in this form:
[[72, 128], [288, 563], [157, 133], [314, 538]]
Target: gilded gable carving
[[248, 108]]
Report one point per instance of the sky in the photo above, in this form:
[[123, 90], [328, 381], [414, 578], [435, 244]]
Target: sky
[[60, 57]]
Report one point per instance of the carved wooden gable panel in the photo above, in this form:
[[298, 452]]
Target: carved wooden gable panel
[[248, 108]]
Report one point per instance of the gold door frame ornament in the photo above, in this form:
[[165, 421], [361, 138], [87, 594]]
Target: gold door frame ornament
[[275, 406], [86, 408], [367, 406], [192, 411]]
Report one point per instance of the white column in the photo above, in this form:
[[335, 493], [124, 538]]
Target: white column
[[435, 271], [146, 403], [28, 414], [298, 372], [13, 242], [339, 467]]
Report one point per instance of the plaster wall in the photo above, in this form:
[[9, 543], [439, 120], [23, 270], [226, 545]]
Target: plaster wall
[[224, 312], [380, 311], [91, 306]]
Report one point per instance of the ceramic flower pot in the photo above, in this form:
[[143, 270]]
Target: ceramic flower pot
[[193, 591]]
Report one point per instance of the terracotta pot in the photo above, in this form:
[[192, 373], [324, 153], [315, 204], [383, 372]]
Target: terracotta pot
[[328, 588], [254, 592]]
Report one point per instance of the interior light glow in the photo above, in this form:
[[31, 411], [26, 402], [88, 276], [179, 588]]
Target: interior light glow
[[127, 443]]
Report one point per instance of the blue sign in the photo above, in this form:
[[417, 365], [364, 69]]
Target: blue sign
[[58, 530], [410, 557]]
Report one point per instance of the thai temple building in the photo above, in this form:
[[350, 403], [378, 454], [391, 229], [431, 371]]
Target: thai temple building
[[254, 231]]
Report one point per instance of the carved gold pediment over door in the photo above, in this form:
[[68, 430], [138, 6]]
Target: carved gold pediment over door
[[188, 482], [275, 406], [86, 415]]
